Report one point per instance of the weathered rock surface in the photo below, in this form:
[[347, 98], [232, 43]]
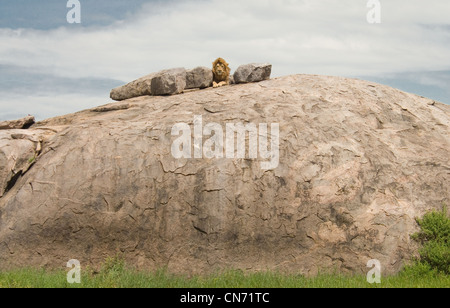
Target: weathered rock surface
[[169, 82], [18, 151], [17, 124], [136, 88], [358, 162], [253, 72], [199, 77]]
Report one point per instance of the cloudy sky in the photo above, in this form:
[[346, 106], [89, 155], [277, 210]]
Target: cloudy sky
[[49, 67]]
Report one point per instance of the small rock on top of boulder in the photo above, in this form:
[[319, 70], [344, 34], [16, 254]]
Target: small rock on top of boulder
[[253, 72], [169, 82], [199, 77]]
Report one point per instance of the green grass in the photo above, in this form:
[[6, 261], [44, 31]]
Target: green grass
[[127, 278]]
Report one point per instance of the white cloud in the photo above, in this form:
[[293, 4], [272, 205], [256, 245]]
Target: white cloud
[[329, 37]]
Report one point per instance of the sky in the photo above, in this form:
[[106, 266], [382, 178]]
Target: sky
[[50, 67]]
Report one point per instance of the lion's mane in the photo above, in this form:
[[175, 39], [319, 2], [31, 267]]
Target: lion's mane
[[225, 76]]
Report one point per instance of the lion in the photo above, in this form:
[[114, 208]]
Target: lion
[[221, 72]]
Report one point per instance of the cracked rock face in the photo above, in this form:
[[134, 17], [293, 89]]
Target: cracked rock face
[[357, 163]]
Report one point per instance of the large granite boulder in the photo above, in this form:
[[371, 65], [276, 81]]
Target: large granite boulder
[[357, 162]]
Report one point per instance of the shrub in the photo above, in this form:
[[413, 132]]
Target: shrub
[[435, 238]]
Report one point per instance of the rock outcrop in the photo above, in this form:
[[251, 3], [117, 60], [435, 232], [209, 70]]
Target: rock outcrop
[[358, 162], [166, 82], [175, 81], [23, 123]]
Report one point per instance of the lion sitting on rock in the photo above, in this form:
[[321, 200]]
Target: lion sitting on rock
[[221, 72]]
